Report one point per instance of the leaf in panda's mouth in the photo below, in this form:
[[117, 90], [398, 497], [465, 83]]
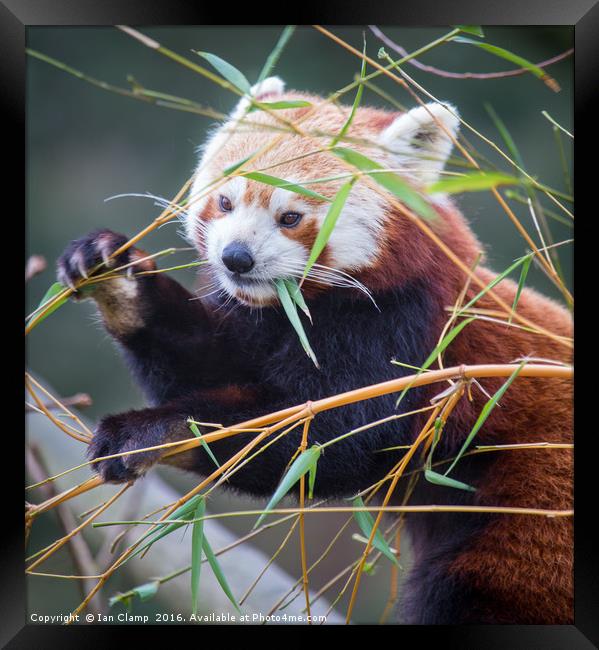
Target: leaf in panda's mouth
[[291, 298]]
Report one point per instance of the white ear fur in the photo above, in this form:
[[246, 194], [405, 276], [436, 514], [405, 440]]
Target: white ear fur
[[269, 86], [419, 143]]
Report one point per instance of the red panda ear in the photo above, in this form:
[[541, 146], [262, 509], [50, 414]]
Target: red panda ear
[[421, 140], [266, 89]]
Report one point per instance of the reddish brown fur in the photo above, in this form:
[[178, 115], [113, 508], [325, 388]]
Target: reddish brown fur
[[210, 209], [522, 564], [517, 558], [257, 194], [520, 557], [231, 395]]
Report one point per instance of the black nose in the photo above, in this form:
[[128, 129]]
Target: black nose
[[237, 258]]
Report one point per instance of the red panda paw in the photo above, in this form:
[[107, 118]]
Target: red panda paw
[[115, 436], [94, 254]]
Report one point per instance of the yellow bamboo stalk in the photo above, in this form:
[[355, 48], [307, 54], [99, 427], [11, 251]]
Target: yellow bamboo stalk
[[303, 446], [61, 542], [426, 430]]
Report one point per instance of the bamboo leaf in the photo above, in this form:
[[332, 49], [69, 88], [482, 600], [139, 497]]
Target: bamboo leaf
[[286, 185], [438, 427], [54, 290], [311, 480], [197, 544], [474, 182], [445, 481], [147, 590], [278, 106], [357, 100], [389, 180], [294, 319], [274, 56], [514, 58], [484, 414], [300, 466], [121, 598], [495, 281], [366, 523], [161, 530], [328, 224], [521, 282], [447, 339], [235, 166], [228, 71], [218, 573], [505, 134], [197, 433], [475, 30], [296, 294], [143, 592]]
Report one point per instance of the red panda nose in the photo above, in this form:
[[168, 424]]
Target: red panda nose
[[237, 258]]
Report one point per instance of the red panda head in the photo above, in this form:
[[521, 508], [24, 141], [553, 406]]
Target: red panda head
[[252, 233]]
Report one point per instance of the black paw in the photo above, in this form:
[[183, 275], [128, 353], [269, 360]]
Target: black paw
[[124, 433], [83, 255]]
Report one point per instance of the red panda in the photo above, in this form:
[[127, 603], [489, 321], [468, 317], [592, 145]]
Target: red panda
[[380, 289]]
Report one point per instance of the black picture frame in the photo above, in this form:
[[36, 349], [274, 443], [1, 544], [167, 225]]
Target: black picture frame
[[17, 15]]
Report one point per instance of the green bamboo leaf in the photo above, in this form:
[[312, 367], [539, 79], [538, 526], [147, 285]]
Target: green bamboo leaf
[[218, 573], [366, 523], [474, 182], [301, 465], [328, 224], [294, 319], [514, 58], [197, 544], [278, 106], [312, 480], [229, 72], [197, 433], [495, 281], [286, 185], [143, 592], [54, 290], [121, 598], [274, 56], [484, 414], [389, 180], [505, 135], [147, 590], [357, 100], [521, 282], [447, 339], [161, 530], [438, 428], [235, 166], [475, 30], [445, 481], [296, 294], [369, 568]]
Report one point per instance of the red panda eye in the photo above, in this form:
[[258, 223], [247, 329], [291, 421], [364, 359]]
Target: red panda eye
[[290, 219], [224, 204]]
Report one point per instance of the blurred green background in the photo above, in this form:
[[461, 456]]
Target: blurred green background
[[85, 144]]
